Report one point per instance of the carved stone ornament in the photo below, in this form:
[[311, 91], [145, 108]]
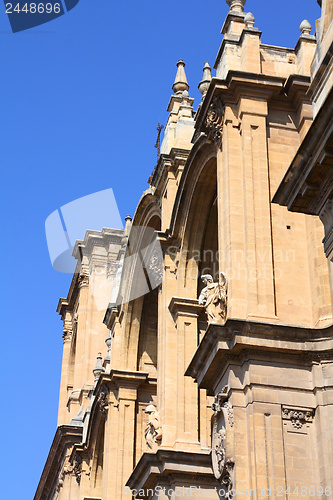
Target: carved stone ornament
[[67, 334], [103, 399], [68, 327], [67, 469], [214, 121], [153, 430], [222, 461], [111, 268], [298, 416], [155, 267], [214, 298], [77, 468], [84, 273]]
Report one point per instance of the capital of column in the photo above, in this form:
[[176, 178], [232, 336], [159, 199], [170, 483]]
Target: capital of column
[[236, 5]]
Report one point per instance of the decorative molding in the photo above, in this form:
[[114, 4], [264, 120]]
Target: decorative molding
[[77, 468], [214, 121], [111, 268], [84, 274], [297, 416], [222, 438], [155, 268], [227, 479], [67, 334], [68, 321]]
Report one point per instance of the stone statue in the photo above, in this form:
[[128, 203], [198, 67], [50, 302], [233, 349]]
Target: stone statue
[[153, 430], [214, 298]]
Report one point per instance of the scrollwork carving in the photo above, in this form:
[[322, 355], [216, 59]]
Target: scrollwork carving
[[223, 421], [214, 121], [297, 416], [77, 468]]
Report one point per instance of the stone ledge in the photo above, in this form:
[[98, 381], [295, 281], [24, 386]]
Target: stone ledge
[[252, 339], [190, 468]]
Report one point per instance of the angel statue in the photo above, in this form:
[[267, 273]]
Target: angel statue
[[153, 430], [214, 298]]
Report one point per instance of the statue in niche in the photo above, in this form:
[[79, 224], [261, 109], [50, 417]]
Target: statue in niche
[[214, 298], [153, 430]]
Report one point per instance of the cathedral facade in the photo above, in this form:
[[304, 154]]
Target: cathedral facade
[[198, 341]]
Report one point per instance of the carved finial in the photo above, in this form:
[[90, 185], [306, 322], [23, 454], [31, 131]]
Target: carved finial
[[180, 83], [206, 79], [305, 27], [236, 5], [153, 430], [249, 20], [186, 99], [99, 367], [128, 226]]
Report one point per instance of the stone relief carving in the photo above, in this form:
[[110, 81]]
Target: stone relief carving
[[155, 267], [77, 468], [222, 461], [67, 469], [297, 416], [214, 298], [214, 121], [153, 430], [111, 268], [68, 326], [84, 273], [103, 399]]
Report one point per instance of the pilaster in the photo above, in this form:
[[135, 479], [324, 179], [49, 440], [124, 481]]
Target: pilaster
[[185, 314]]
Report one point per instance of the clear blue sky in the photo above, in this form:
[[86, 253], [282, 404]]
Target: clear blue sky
[[80, 100]]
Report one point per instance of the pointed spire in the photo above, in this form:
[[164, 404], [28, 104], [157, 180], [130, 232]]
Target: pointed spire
[[180, 83], [206, 79], [99, 367], [236, 5]]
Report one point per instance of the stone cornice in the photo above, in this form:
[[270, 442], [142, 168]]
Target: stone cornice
[[152, 467], [166, 163], [297, 190], [123, 378], [65, 436], [180, 306], [222, 343], [111, 315], [97, 238], [237, 84]]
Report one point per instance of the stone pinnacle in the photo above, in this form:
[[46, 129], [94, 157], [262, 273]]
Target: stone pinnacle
[[180, 83], [236, 5]]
